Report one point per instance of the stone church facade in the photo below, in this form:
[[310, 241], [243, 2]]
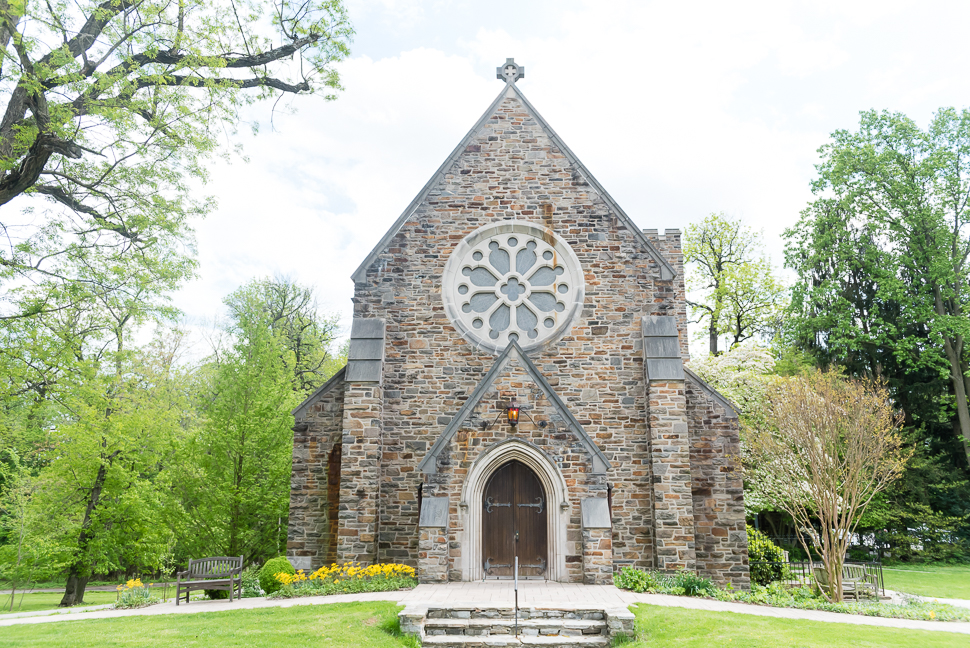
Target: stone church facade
[[514, 287]]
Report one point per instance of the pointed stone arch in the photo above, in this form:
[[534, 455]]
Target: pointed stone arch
[[599, 462], [472, 491]]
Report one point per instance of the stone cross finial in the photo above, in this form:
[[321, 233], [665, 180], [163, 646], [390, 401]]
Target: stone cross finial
[[510, 72]]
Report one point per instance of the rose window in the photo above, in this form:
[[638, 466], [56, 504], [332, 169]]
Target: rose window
[[512, 281]]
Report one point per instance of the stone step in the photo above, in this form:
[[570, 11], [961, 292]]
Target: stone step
[[588, 641], [464, 626], [506, 626], [524, 613]]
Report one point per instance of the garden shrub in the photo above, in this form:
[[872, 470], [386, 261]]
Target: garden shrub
[[634, 580], [216, 595], [776, 594], [805, 598], [683, 583], [693, 584], [267, 575], [250, 583], [766, 558]]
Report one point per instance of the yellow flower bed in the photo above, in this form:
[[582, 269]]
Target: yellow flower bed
[[348, 577], [130, 585], [134, 594]]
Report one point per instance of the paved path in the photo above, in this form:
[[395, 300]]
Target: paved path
[[60, 590], [538, 594]]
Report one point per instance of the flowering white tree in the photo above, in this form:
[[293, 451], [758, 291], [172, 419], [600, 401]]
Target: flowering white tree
[[744, 375]]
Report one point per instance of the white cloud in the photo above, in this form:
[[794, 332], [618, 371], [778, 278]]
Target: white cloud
[[680, 109]]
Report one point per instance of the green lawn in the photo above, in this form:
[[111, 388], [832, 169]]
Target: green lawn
[[366, 625], [361, 625], [660, 626], [49, 601], [945, 581]]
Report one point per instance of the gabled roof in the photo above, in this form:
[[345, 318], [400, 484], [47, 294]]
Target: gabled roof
[[713, 394], [335, 380], [429, 464], [666, 269]]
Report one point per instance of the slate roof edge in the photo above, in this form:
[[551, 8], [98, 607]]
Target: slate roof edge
[[361, 272], [334, 380], [591, 179], [732, 409], [667, 271], [427, 464]]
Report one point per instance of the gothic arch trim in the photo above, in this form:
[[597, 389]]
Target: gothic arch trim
[[470, 508], [429, 465]]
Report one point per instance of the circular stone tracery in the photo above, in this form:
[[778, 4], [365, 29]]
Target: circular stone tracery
[[512, 281]]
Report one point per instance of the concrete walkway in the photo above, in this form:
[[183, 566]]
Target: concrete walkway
[[501, 594]]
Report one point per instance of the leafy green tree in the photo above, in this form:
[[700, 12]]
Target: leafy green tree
[[113, 107], [732, 284], [27, 556], [108, 481], [238, 500], [881, 255], [292, 312], [277, 349]]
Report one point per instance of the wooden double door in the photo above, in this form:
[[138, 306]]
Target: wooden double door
[[514, 510]]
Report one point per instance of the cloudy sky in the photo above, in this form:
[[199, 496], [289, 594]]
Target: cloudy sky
[[679, 109]]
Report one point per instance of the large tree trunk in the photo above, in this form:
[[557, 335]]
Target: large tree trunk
[[960, 391], [712, 332], [74, 593]]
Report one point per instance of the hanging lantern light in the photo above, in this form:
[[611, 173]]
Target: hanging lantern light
[[513, 413]]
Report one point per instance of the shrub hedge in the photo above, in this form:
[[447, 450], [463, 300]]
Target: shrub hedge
[[267, 575]]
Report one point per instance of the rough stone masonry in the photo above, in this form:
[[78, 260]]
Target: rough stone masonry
[[514, 280]]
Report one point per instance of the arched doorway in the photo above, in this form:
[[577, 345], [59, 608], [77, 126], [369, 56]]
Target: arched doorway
[[514, 523]]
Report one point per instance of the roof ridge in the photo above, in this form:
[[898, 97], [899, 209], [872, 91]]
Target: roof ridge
[[591, 179], [733, 410], [301, 409], [667, 271]]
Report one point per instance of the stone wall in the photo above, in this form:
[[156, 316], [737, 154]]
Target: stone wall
[[559, 444], [511, 169], [674, 291], [309, 531], [718, 497]]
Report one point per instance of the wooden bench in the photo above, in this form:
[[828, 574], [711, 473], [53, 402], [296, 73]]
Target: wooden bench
[[860, 581], [856, 581], [222, 573]]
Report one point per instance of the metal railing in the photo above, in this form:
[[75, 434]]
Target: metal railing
[[797, 573]]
